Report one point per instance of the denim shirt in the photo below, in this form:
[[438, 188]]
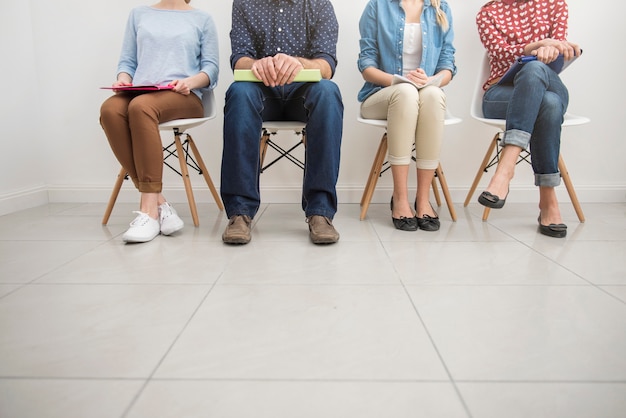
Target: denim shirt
[[382, 34]]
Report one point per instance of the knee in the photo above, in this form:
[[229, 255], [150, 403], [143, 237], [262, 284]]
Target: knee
[[433, 96], [109, 109], [242, 90], [405, 95], [326, 91], [552, 107], [534, 72]]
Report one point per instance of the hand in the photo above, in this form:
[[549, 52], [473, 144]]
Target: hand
[[278, 70], [418, 77], [287, 68], [181, 86], [546, 50], [120, 83], [573, 50], [264, 70], [546, 54]]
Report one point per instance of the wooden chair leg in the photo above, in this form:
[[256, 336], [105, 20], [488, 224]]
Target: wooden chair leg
[[482, 167], [570, 189], [368, 192], [205, 173], [185, 174], [436, 190], [446, 192], [486, 213], [116, 191], [265, 136]]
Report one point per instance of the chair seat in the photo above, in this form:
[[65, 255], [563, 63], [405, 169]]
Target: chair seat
[[182, 124], [274, 125], [569, 120]]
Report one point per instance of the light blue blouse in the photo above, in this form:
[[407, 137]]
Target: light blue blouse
[[165, 45], [382, 26]]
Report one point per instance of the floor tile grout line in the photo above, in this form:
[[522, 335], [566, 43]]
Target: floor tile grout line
[[135, 398], [431, 339], [589, 283], [313, 380]]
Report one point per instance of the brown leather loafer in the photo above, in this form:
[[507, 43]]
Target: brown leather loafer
[[238, 230], [321, 230]]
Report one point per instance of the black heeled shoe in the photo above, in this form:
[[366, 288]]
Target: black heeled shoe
[[427, 222], [552, 230], [403, 223], [491, 200]]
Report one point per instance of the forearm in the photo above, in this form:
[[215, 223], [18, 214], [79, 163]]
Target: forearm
[[198, 81], [244, 63], [124, 78], [376, 76], [318, 64]]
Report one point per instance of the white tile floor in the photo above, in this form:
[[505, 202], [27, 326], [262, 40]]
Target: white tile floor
[[481, 319]]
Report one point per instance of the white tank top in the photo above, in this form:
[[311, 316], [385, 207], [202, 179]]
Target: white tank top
[[412, 51]]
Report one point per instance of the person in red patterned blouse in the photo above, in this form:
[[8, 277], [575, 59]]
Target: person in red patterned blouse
[[534, 103]]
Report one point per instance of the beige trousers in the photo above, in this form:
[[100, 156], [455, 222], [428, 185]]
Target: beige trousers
[[413, 117]]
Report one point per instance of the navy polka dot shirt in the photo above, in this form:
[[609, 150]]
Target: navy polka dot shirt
[[300, 28]]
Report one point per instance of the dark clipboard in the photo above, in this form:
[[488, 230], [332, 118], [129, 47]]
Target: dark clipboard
[[558, 65]]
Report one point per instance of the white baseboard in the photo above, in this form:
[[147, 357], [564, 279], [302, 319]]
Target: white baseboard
[[37, 196], [23, 199]]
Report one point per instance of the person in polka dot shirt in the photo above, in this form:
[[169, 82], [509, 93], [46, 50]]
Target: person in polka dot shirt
[[276, 39], [534, 103]]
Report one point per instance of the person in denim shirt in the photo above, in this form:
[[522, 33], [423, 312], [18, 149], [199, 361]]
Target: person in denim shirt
[[276, 39], [413, 39]]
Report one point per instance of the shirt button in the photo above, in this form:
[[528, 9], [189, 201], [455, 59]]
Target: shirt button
[[280, 10], [280, 30], [278, 49]]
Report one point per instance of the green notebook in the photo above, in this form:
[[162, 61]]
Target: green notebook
[[302, 77]]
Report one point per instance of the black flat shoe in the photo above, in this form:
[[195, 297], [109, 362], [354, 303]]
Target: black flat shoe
[[491, 200], [427, 222], [552, 230], [403, 223]]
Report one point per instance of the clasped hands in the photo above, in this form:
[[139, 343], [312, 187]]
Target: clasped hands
[[278, 70], [418, 76], [549, 50]]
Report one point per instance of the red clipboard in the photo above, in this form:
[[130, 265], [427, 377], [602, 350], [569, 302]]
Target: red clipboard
[[145, 87]]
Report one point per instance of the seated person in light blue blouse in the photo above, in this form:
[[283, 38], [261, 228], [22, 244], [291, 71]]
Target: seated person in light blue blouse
[[277, 39], [169, 43], [411, 38]]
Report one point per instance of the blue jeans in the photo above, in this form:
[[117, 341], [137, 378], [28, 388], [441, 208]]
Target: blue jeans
[[248, 104], [533, 108]]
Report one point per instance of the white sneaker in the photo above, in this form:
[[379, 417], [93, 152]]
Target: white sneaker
[[169, 219], [142, 229]]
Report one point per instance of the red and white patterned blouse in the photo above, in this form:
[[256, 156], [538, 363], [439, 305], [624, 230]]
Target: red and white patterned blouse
[[506, 29]]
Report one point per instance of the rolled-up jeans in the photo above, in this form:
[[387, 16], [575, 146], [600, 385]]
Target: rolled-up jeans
[[533, 107], [248, 104]]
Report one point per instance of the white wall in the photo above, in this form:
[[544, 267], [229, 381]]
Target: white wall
[[22, 179], [53, 67]]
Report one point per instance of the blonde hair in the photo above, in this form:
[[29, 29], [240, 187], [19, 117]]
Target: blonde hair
[[442, 19]]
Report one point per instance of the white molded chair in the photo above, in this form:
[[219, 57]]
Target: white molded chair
[[271, 128], [476, 111], [379, 161], [180, 149]]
